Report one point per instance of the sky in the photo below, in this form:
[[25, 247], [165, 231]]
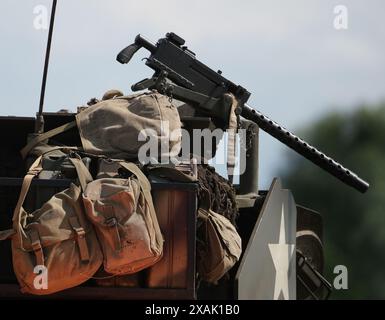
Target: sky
[[288, 54]]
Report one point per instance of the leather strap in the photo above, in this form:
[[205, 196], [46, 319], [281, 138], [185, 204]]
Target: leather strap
[[44, 136], [80, 239]]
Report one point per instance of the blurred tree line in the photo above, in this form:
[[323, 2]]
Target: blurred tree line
[[354, 223]]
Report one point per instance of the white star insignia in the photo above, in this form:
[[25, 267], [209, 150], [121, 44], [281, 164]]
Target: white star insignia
[[281, 254]]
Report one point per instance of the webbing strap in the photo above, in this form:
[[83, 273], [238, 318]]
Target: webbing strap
[[6, 234], [131, 167], [80, 239], [44, 136], [112, 222], [231, 139], [146, 188], [36, 246], [84, 175], [34, 170]]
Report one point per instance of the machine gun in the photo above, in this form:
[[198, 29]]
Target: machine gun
[[179, 74]]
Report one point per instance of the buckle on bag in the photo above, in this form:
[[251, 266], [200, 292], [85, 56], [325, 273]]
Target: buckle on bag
[[80, 239], [111, 222]]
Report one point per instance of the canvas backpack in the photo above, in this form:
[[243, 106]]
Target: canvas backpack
[[124, 217], [119, 126], [56, 237]]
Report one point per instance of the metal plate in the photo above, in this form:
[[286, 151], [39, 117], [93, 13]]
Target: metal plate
[[268, 267]]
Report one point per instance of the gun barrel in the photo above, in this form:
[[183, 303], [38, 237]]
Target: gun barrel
[[305, 149]]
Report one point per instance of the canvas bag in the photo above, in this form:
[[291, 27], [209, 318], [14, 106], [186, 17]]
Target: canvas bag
[[108, 168], [219, 246], [124, 217], [111, 127], [56, 236]]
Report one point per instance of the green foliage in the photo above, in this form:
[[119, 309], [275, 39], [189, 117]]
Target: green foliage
[[354, 223]]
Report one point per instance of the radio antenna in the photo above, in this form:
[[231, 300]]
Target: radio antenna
[[39, 126]]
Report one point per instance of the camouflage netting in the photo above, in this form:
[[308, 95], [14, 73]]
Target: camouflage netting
[[222, 192]]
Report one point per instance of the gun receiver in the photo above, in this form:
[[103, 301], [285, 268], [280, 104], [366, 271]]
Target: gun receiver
[[179, 74]]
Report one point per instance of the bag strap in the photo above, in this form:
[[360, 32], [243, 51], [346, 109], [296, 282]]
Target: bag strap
[[50, 149], [146, 188], [231, 138], [46, 135], [80, 239], [84, 176], [6, 234], [33, 171], [36, 247], [112, 223], [36, 167], [134, 169]]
